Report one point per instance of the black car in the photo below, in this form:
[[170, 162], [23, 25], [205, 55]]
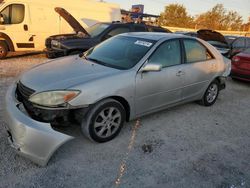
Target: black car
[[83, 39]]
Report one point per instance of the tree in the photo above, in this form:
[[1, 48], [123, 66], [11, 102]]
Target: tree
[[219, 18], [246, 26], [175, 15]]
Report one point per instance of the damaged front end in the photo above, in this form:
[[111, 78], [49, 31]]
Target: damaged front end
[[30, 138]]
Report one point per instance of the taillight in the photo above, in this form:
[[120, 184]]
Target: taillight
[[236, 59]]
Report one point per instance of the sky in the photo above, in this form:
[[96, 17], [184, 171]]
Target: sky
[[193, 7]]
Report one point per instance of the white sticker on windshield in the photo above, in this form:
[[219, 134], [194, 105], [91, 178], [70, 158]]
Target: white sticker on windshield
[[143, 43]]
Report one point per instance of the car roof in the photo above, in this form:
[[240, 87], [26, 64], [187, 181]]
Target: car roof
[[155, 35], [130, 23]]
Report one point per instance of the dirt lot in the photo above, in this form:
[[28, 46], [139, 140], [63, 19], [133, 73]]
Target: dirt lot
[[186, 146]]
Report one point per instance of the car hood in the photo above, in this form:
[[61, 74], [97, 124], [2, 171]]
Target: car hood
[[64, 73], [71, 20], [209, 35]]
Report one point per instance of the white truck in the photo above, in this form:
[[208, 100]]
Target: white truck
[[25, 24]]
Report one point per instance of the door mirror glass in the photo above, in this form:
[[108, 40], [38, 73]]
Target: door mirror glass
[[152, 67]]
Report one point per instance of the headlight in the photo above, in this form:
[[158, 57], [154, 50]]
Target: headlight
[[55, 43], [53, 98]]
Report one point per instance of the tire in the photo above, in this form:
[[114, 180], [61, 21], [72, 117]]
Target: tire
[[3, 50], [104, 121], [49, 56], [211, 94]]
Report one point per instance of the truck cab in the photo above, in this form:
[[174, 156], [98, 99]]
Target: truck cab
[[14, 28]]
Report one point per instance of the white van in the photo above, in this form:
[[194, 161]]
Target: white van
[[25, 24]]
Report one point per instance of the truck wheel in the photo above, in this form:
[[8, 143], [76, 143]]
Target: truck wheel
[[3, 50], [104, 121], [211, 94]]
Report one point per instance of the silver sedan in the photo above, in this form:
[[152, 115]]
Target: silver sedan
[[123, 78]]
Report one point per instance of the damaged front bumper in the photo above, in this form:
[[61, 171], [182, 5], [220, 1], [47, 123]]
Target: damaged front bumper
[[32, 139]]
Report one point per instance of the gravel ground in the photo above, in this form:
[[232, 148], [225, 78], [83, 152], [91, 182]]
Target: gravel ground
[[185, 146]]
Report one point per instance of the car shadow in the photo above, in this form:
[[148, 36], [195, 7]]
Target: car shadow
[[241, 82], [23, 54]]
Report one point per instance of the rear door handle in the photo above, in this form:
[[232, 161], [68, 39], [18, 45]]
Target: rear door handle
[[180, 73]]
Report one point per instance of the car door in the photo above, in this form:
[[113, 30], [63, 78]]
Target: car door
[[156, 90], [198, 68], [15, 24]]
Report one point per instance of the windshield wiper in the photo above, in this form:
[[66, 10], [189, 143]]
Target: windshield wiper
[[82, 55], [98, 61]]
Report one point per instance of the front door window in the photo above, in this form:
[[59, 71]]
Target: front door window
[[12, 14]]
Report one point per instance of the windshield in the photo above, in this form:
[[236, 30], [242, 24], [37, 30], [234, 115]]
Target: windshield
[[230, 39], [119, 52], [97, 29]]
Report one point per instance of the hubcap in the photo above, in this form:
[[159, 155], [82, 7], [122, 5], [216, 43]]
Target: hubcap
[[107, 122], [212, 93], [1, 50]]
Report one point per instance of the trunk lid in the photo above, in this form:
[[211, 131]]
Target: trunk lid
[[209, 35]]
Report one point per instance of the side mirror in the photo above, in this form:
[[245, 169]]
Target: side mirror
[[152, 68], [1, 19]]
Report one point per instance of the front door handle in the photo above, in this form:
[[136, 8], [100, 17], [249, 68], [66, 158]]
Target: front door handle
[[180, 73], [25, 27]]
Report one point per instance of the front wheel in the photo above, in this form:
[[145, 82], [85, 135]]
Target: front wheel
[[211, 94], [104, 121], [3, 50]]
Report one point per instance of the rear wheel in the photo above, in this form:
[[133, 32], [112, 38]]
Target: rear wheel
[[104, 121], [211, 94], [3, 50]]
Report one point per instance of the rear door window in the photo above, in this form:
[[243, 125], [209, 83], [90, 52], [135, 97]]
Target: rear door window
[[195, 51]]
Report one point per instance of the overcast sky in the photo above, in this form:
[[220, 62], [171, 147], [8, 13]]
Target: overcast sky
[[194, 7]]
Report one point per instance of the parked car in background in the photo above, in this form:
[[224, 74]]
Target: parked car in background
[[83, 39], [238, 45], [25, 24], [230, 38], [121, 79], [241, 66]]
